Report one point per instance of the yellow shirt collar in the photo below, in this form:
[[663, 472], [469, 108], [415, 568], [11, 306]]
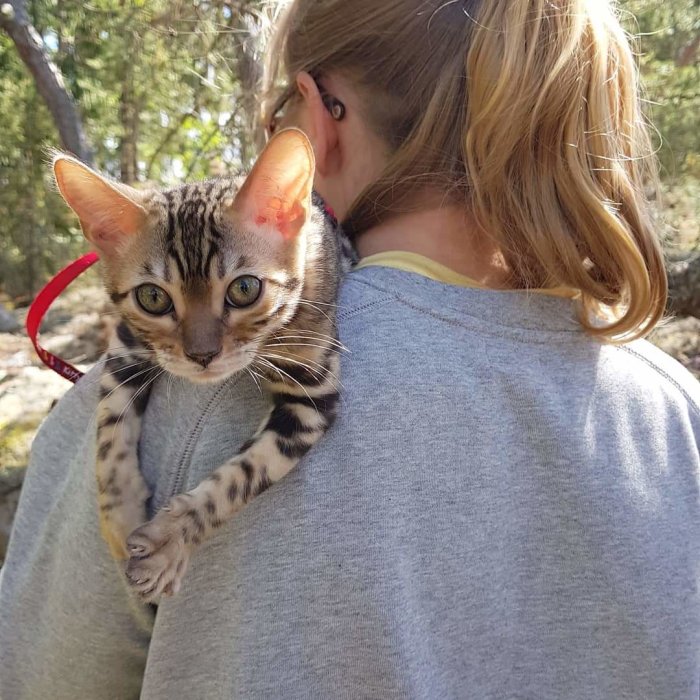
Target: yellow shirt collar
[[420, 265]]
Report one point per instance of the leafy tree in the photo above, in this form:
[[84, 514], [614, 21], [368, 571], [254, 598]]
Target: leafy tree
[[669, 39], [163, 91], [164, 95]]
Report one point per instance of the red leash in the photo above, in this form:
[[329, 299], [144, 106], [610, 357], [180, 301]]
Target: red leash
[[40, 305]]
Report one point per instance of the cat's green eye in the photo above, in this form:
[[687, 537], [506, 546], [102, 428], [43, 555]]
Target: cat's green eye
[[243, 291], [153, 300]]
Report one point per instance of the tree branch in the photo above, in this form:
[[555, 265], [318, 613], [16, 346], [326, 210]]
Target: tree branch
[[170, 134], [47, 78], [200, 151], [173, 131]]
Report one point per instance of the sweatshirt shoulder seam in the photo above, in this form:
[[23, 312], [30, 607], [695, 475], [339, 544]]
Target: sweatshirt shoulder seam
[[494, 326], [355, 310], [691, 401]]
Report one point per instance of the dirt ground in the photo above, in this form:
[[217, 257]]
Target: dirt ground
[[75, 329]]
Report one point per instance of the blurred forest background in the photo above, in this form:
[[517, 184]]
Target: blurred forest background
[[145, 91], [163, 92]]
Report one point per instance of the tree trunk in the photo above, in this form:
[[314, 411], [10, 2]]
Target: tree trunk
[[250, 72], [128, 144], [47, 78], [130, 114], [684, 286], [688, 54]]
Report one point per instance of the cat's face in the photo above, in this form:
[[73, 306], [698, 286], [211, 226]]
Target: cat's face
[[207, 272], [202, 288]]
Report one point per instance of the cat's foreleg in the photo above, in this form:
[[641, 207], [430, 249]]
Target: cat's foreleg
[[122, 491], [161, 548]]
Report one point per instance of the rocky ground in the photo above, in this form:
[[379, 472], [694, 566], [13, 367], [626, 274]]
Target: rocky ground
[[76, 329]]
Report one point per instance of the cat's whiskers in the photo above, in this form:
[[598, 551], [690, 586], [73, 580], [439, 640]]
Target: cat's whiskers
[[315, 308], [300, 345], [291, 355], [127, 354], [127, 347], [97, 379], [303, 335], [320, 303], [330, 343], [141, 389], [258, 375], [122, 368], [253, 376], [137, 352], [308, 331], [282, 373], [127, 380], [323, 374]]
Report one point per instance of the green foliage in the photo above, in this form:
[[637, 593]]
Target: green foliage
[[35, 229], [165, 96], [668, 36], [159, 90]]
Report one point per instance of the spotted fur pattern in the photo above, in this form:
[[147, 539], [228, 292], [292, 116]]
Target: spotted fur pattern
[[288, 343]]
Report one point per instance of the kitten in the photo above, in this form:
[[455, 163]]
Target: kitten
[[210, 279]]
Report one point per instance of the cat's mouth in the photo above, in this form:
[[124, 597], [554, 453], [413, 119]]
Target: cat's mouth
[[217, 371]]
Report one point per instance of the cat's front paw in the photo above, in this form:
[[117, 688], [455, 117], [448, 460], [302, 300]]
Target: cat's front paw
[[158, 555]]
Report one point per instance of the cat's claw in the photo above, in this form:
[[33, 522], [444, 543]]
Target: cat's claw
[[159, 557]]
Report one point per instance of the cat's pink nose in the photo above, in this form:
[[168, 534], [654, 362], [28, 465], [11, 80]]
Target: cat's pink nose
[[202, 358]]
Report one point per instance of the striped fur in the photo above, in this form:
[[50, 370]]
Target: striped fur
[[288, 343]]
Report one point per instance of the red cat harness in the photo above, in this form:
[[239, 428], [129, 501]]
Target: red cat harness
[[46, 297], [40, 306]]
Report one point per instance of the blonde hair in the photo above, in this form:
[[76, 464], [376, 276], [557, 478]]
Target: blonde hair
[[525, 111]]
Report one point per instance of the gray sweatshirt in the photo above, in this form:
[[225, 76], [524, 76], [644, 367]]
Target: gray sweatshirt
[[504, 509]]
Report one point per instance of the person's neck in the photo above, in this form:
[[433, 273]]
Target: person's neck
[[447, 236]]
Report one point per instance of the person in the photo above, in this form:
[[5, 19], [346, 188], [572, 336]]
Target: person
[[507, 506]]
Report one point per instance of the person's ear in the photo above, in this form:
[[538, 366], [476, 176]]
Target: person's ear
[[322, 129]]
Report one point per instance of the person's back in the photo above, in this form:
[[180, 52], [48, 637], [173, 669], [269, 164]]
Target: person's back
[[504, 506], [507, 506]]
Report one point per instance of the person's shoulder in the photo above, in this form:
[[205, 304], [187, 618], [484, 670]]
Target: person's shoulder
[[651, 365], [358, 296]]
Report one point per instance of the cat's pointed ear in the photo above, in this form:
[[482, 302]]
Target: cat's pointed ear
[[108, 212], [277, 193]]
